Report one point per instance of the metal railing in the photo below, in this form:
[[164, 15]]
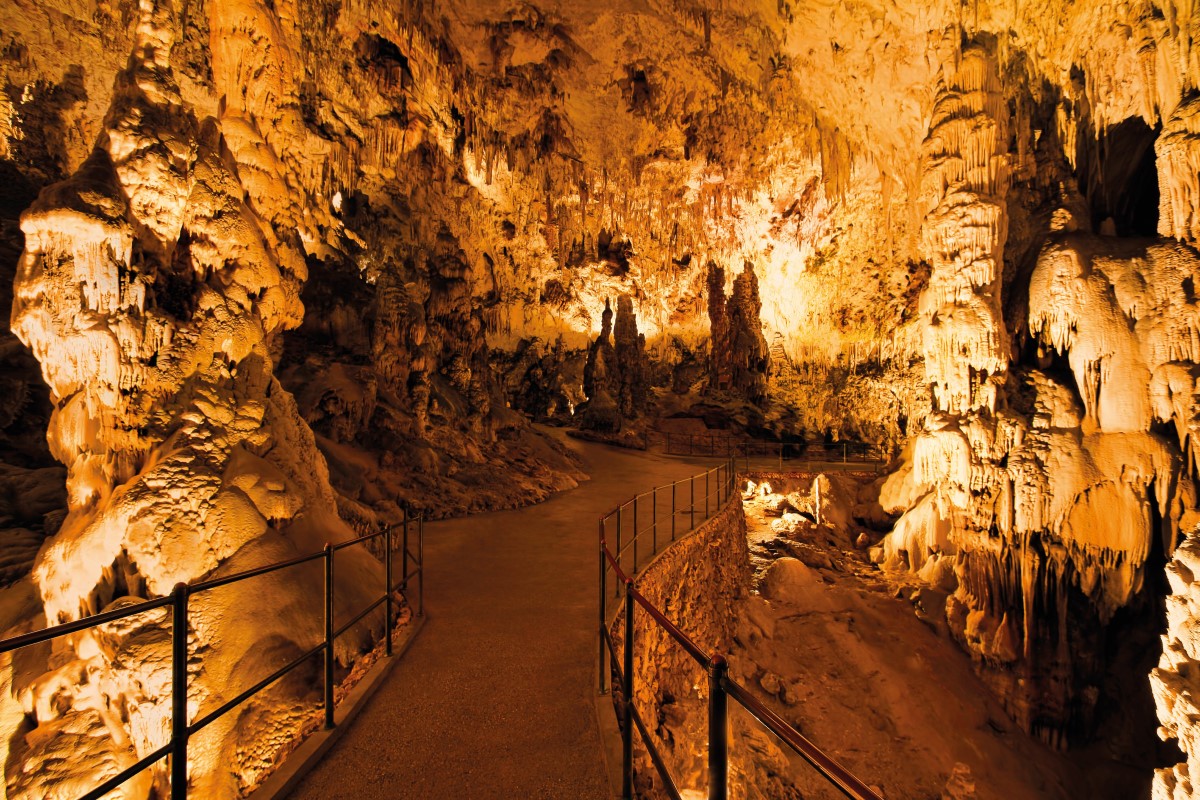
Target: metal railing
[[181, 728], [725, 445], [721, 687], [656, 517]]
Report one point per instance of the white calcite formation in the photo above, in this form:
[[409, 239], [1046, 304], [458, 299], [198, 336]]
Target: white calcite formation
[[152, 293], [1036, 509], [1178, 151], [965, 179], [1174, 682]]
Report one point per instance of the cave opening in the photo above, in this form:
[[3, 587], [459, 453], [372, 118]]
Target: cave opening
[[1120, 178]]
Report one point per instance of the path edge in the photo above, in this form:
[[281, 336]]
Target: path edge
[[301, 760], [610, 742]]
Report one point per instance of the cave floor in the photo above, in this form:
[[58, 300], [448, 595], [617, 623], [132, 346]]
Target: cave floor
[[496, 697]]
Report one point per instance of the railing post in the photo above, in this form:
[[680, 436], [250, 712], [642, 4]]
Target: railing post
[[387, 589], [179, 690], [718, 730], [654, 517], [706, 493], [603, 612], [692, 507], [328, 685], [620, 547], [673, 485], [636, 535], [421, 565], [404, 558], [627, 733]]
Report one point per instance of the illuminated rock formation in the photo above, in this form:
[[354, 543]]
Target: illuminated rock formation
[[965, 179], [151, 292], [630, 349], [1174, 681], [601, 380], [739, 360]]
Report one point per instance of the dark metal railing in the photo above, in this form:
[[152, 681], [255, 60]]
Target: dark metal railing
[[719, 444], [720, 686], [643, 523], [181, 729]]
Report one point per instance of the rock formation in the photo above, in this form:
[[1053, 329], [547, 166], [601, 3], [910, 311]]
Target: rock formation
[[739, 360], [153, 294], [615, 378]]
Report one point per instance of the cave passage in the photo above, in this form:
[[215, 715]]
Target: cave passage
[[495, 695]]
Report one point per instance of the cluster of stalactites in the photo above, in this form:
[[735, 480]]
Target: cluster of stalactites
[[965, 179], [152, 288], [1067, 501], [1177, 151]]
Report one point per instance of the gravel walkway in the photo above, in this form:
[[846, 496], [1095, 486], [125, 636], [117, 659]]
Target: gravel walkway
[[495, 698]]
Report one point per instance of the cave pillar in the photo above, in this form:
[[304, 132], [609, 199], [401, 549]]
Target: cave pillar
[[965, 177], [1177, 154]]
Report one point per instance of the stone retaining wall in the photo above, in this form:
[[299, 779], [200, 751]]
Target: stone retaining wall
[[699, 584]]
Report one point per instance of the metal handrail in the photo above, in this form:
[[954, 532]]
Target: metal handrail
[[67, 628], [717, 484], [727, 445], [204, 586], [834, 772], [181, 730], [720, 686], [694, 650]]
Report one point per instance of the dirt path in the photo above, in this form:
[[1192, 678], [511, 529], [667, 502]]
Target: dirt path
[[495, 697]]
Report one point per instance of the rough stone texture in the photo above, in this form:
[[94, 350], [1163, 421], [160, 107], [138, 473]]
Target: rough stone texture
[[740, 359], [1175, 680], [965, 167], [699, 584], [152, 295]]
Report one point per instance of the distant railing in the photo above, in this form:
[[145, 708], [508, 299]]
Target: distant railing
[[721, 444], [181, 729], [719, 483]]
